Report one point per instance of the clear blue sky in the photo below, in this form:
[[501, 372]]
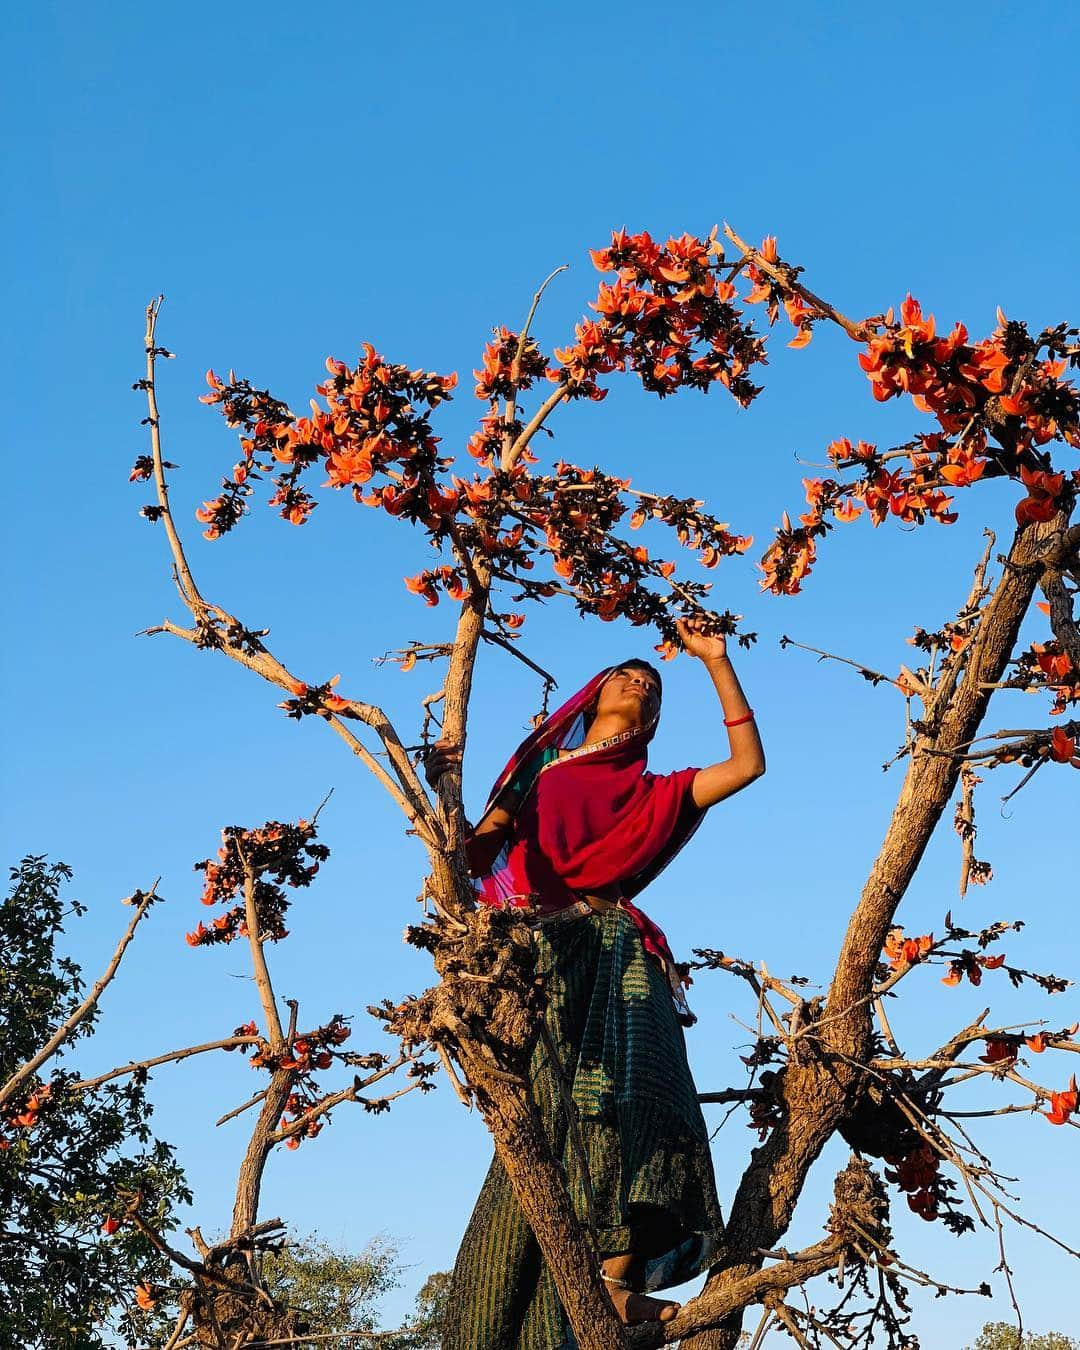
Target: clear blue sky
[[299, 179]]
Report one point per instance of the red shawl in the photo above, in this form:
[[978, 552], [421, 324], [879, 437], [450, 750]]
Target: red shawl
[[594, 820]]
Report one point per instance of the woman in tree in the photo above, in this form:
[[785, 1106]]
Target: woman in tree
[[574, 828]]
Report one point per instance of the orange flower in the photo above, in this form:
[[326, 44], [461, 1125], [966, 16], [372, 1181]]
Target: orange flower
[[1055, 664], [847, 510], [963, 469], [998, 1051], [902, 951], [924, 1205], [1062, 1104], [1062, 747], [1037, 1043], [1043, 491], [144, 1296]]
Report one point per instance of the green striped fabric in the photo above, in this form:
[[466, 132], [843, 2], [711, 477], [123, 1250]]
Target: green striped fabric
[[613, 1025]]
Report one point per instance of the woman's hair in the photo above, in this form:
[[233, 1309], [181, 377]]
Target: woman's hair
[[635, 663]]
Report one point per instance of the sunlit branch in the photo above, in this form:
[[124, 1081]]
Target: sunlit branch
[[86, 1007]]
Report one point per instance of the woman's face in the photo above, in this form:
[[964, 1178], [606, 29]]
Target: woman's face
[[631, 695]]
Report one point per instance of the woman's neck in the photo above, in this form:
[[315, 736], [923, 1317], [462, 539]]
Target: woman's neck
[[603, 728]]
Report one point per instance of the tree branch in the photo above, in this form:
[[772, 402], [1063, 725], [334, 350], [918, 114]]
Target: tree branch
[[85, 1008]]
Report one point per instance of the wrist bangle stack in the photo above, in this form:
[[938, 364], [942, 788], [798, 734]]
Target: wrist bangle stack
[[738, 721]]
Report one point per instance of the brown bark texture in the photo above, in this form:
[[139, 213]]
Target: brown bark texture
[[819, 1093]]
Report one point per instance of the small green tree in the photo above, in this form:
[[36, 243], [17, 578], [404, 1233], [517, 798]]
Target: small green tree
[[1005, 1336], [70, 1273], [339, 1291]]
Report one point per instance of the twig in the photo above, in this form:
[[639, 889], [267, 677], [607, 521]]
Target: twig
[[859, 331], [510, 409], [499, 641], [239, 1110], [89, 1003], [875, 676], [258, 956]]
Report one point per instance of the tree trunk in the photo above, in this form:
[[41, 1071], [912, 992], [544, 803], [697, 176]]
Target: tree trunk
[[540, 1187], [249, 1182], [818, 1096]]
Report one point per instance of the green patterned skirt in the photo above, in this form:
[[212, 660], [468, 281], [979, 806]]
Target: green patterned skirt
[[613, 1025]]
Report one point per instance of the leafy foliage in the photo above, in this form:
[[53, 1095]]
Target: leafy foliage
[[69, 1267], [1003, 1336], [339, 1291]]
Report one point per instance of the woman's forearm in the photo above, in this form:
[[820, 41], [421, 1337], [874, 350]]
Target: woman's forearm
[[484, 843], [747, 759]]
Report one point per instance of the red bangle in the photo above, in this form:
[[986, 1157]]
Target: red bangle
[[738, 721]]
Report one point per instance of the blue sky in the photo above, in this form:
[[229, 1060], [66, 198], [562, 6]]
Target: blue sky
[[298, 180]]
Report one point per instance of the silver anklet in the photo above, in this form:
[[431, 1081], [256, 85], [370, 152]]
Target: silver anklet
[[619, 1284]]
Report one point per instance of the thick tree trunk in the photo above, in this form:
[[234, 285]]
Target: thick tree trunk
[[817, 1096], [540, 1187]]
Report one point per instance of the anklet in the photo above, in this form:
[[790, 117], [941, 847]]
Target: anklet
[[619, 1284]]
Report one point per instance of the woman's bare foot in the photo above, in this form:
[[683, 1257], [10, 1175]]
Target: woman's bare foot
[[634, 1308]]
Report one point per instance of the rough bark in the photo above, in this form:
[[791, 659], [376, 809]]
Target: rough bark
[[818, 1094], [249, 1180], [540, 1187]]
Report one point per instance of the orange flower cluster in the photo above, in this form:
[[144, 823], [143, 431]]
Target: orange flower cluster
[[371, 424], [1000, 1050], [911, 497], [917, 1173], [316, 700], [668, 317], [275, 850], [953, 379], [311, 1052], [967, 963], [791, 556], [1044, 495], [24, 1115], [504, 372], [773, 293], [577, 511], [764, 1116], [1001, 385], [901, 952], [427, 584], [1063, 748]]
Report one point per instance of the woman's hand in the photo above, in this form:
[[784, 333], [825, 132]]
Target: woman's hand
[[696, 643], [440, 758]]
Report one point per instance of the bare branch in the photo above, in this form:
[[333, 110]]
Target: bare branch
[[144, 899], [226, 1043]]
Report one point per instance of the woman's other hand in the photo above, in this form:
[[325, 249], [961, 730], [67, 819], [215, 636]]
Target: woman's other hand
[[707, 648], [441, 757]]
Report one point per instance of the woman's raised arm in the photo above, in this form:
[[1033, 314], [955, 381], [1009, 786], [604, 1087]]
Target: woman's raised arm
[[747, 759]]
